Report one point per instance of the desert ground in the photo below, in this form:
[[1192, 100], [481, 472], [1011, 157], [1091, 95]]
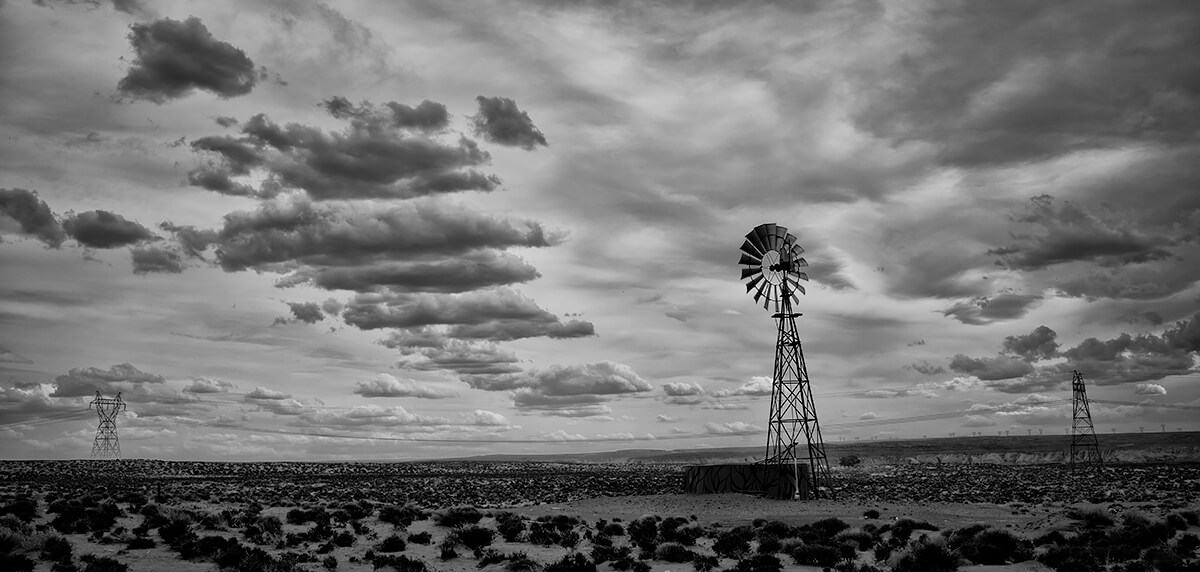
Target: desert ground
[[895, 510]]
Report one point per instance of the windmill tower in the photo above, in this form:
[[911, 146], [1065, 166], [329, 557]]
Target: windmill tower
[[106, 445], [771, 266], [1085, 449]]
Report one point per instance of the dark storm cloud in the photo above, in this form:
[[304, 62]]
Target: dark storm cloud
[[32, 215], [1154, 318], [991, 368], [564, 387], [131, 7], [173, 58], [1067, 233], [1023, 81], [86, 381], [988, 309], [428, 116], [382, 153], [1036, 345], [153, 259], [307, 312], [500, 121], [103, 229], [497, 314], [341, 233], [193, 241], [927, 368], [225, 121], [471, 271]]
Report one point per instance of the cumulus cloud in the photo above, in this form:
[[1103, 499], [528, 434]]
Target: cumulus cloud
[[86, 381], [666, 418], [208, 385], [733, 428], [173, 58], [988, 309], [103, 229], [927, 368], [307, 312], [1150, 389], [427, 116], [132, 7], [31, 216], [1038, 344], [470, 271], [464, 358], [990, 368], [386, 385], [756, 386], [500, 121], [679, 388], [338, 234], [373, 157], [268, 394], [564, 386], [153, 259]]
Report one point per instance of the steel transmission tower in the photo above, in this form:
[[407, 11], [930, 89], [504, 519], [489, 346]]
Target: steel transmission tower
[[106, 445], [1085, 449], [773, 266]]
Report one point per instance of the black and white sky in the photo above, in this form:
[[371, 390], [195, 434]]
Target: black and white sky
[[289, 229]]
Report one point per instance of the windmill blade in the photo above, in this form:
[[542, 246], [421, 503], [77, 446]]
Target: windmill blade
[[782, 233], [748, 272], [749, 260], [751, 284], [799, 263], [800, 275], [749, 248], [800, 287], [761, 291], [795, 284], [768, 234], [755, 238]]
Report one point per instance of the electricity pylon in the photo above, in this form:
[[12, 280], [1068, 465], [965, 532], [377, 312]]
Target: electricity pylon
[[1085, 449], [106, 445]]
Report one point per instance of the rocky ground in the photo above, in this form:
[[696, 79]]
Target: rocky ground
[[154, 515]]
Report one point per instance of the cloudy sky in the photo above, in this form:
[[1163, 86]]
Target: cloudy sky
[[396, 230]]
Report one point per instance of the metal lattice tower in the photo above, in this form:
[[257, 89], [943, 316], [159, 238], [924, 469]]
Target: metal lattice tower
[[1085, 449], [773, 262], [106, 445]]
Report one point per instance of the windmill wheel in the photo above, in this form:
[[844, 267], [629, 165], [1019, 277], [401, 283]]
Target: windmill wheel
[[771, 264]]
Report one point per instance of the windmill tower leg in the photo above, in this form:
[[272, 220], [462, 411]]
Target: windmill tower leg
[[1085, 448], [793, 430]]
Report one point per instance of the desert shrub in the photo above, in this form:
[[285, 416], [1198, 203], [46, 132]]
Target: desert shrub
[[392, 543], [1142, 532], [759, 563], [102, 564], [827, 528], [1070, 558], [510, 526], [668, 527], [993, 546], [926, 557], [344, 539], [446, 550], [777, 529], [17, 563], [24, 509], [205, 547], [814, 554], [561, 522], [862, 539], [140, 543], [475, 537], [903, 528], [420, 538], [458, 516], [602, 540], [769, 544], [302, 516], [1052, 537], [521, 562], [574, 562], [1093, 517], [359, 510], [850, 461], [1186, 544], [673, 552], [643, 531], [733, 543], [704, 563], [543, 534], [602, 553], [614, 529], [402, 516], [173, 530], [64, 566], [569, 539], [1176, 521], [330, 562], [56, 548], [871, 514], [399, 563]]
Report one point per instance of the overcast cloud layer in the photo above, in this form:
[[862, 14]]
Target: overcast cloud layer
[[515, 225]]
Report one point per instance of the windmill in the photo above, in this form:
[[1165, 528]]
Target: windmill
[[771, 266]]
